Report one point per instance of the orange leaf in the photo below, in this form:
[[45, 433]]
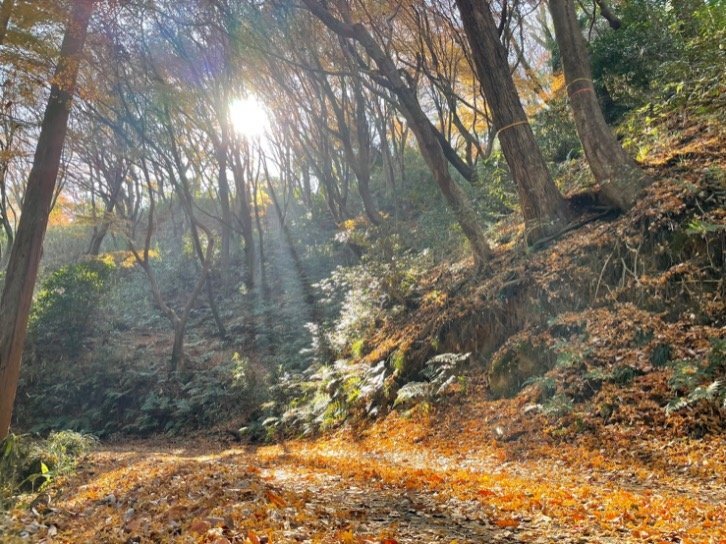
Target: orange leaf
[[252, 537], [506, 523], [486, 493], [436, 479], [276, 499], [389, 541], [200, 526]]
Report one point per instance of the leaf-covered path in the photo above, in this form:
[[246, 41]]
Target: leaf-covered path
[[400, 481]]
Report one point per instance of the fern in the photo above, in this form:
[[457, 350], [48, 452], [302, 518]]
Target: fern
[[712, 393], [413, 392], [546, 383]]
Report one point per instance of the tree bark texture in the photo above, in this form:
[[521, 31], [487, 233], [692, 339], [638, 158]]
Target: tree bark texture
[[25, 256], [619, 177], [545, 211]]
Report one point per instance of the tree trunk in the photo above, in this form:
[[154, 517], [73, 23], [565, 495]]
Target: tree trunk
[[544, 210], [363, 164], [360, 162], [25, 256], [245, 219], [5, 11], [182, 184], [619, 177], [178, 322], [426, 137], [100, 231], [177, 351], [222, 152]]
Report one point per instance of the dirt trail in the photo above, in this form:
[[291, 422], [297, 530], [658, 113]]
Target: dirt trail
[[400, 481]]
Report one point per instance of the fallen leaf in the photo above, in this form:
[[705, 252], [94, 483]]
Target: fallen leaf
[[276, 499], [200, 526], [506, 523]]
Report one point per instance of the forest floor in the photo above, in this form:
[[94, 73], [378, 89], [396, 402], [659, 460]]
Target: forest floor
[[439, 475], [467, 469]]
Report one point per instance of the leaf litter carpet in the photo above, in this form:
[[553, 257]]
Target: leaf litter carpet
[[404, 480]]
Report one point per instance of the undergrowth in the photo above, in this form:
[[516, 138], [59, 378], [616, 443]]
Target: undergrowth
[[28, 463]]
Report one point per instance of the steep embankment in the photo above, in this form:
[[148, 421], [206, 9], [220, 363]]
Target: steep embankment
[[621, 307]]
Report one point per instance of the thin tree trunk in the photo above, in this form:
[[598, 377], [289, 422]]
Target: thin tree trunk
[[362, 167], [426, 137], [245, 219], [6, 11], [222, 156], [187, 201], [544, 210], [5, 208], [99, 232], [619, 177], [226, 216], [178, 322], [25, 256]]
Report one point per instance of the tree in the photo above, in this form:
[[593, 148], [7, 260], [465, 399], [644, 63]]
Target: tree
[[25, 256], [178, 320], [426, 134], [619, 177], [544, 210], [6, 10]]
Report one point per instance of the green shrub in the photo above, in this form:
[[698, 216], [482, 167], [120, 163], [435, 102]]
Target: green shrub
[[65, 304], [556, 134], [656, 55], [497, 192]]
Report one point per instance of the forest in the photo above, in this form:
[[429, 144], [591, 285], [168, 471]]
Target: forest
[[362, 271]]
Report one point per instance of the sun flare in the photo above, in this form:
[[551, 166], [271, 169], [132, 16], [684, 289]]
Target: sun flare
[[249, 117]]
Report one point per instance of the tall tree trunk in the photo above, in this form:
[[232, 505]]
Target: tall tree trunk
[[5, 11], [178, 322], [222, 152], [226, 217], [182, 184], [619, 177], [362, 163], [544, 210], [426, 137], [25, 256], [245, 219]]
